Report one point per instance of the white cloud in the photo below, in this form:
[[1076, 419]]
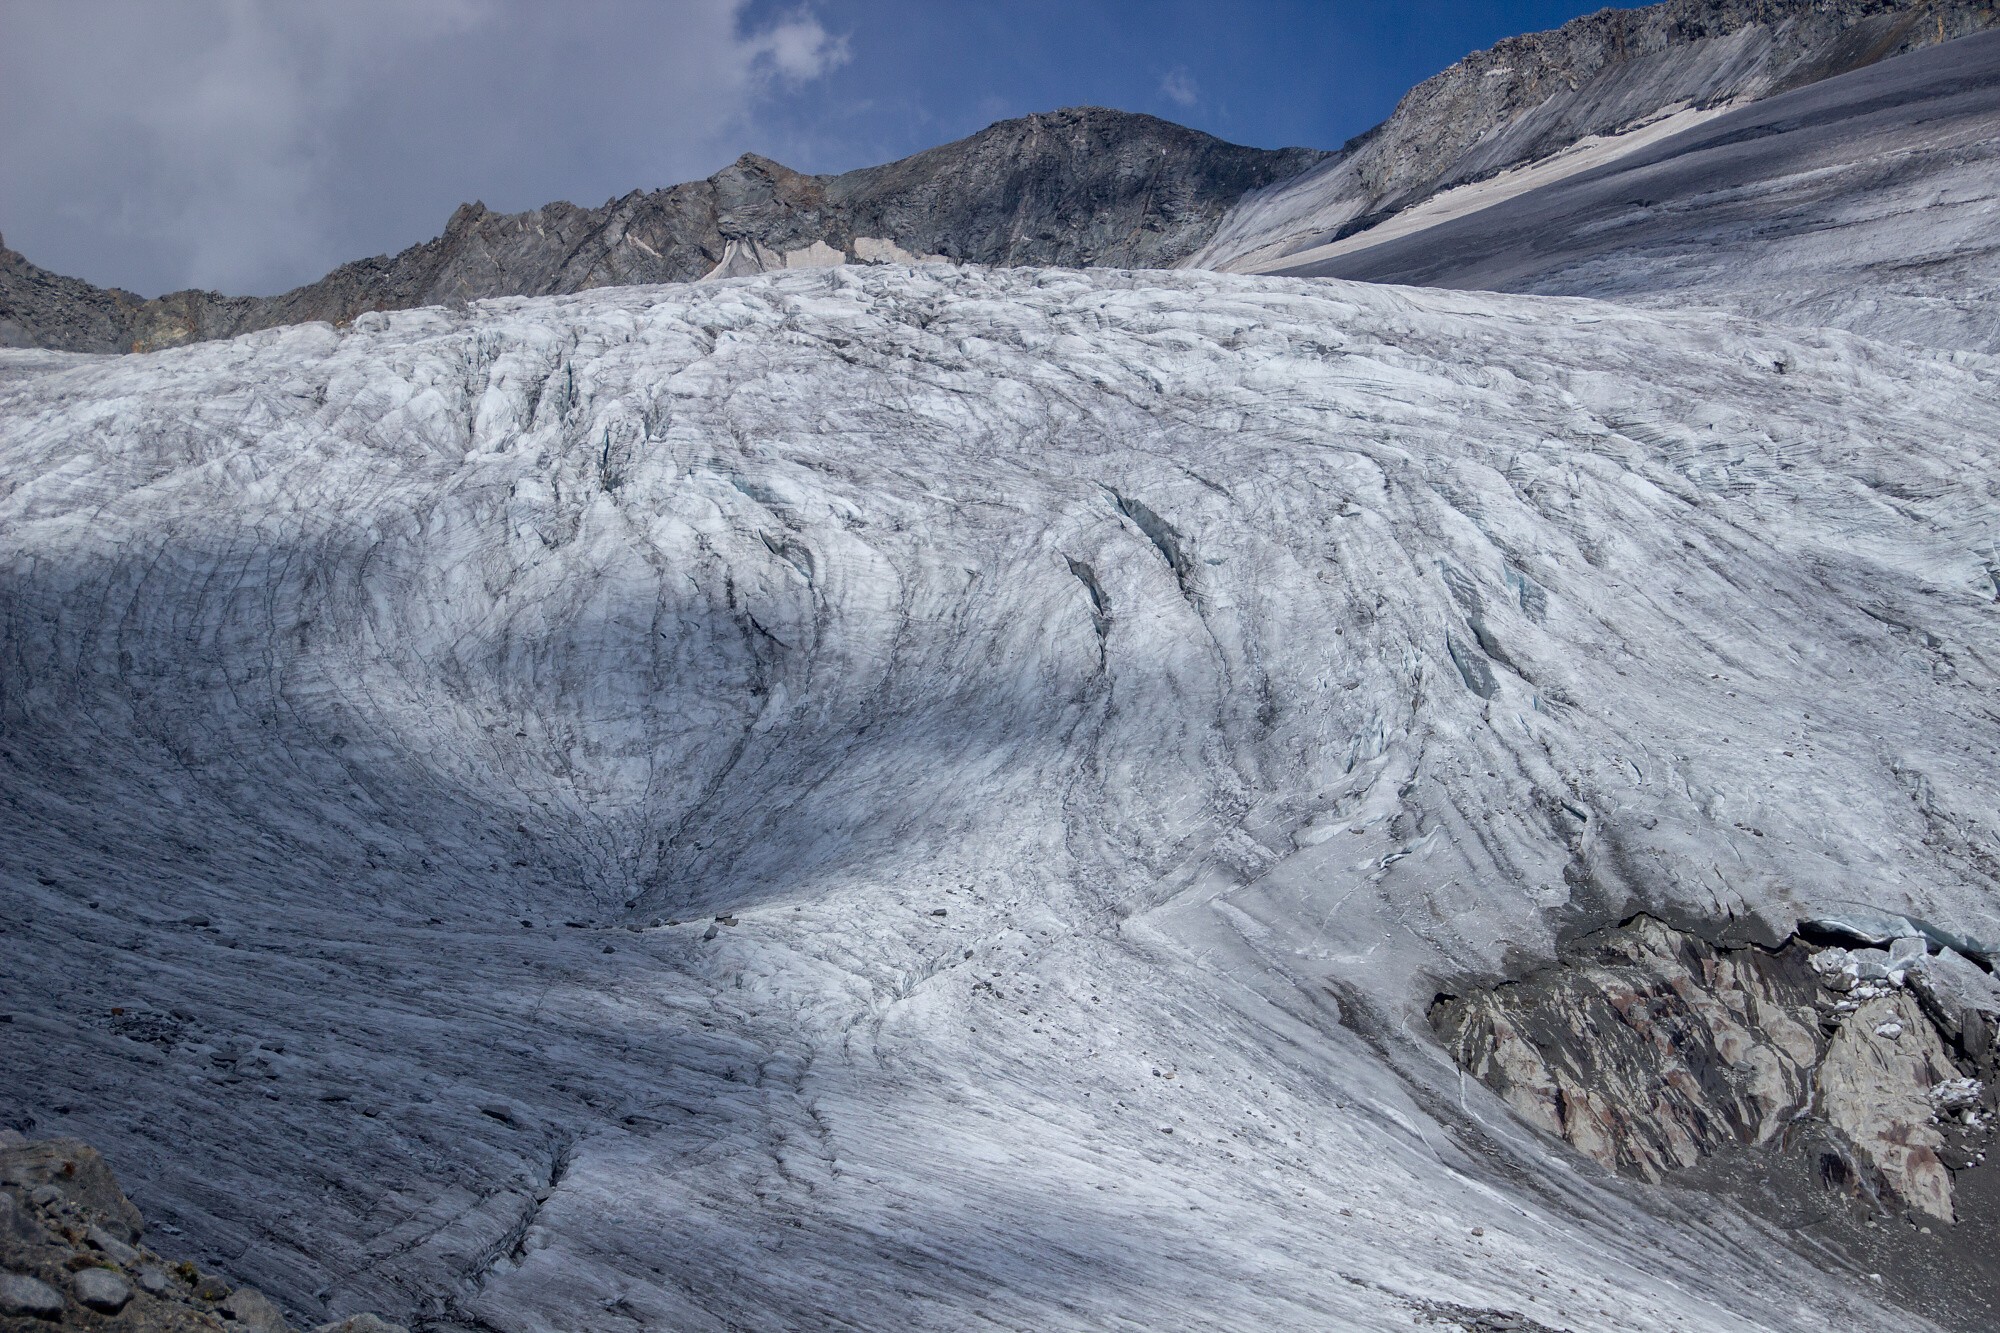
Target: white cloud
[[250, 145], [799, 48], [1179, 87]]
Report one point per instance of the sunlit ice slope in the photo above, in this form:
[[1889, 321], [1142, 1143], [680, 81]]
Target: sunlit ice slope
[[929, 798]]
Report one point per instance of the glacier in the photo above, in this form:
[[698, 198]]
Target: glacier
[[921, 797]]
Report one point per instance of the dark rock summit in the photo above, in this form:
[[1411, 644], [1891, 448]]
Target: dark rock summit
[[1084, 186]]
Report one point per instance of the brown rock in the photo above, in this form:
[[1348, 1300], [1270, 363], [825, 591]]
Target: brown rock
[[1874, 1087]]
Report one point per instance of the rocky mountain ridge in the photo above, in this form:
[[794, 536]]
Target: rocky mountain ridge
[[1077, 187], [1531, 96], [1864, 202]]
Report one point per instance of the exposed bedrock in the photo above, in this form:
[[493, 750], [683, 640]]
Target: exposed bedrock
[[1653, 1050]]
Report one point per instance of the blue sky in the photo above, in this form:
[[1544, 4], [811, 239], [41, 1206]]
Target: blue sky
[[251, 145], [1269, 74]]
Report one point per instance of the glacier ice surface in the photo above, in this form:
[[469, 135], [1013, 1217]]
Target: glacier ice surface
[[933, 798]]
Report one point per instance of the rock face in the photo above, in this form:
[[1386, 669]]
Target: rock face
[[1232, 659], [1650, 1050], [62, 1267], [1083, 186], [75, 1172], [1529, 97], [1875, 1087]]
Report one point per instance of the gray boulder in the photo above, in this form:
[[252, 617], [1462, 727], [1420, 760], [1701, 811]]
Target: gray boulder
[[255, 1312], [102, 1289], [24, 1295], [15, 1224], [1961, 999], [115, 1249], [361, 1323]]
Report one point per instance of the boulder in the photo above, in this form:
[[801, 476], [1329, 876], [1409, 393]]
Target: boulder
[[1874, 1086], [255, 1312], [1962, 1000], [15, 1224], [104, 1290], [113, 1248], [24, 1295], [361, 1323]]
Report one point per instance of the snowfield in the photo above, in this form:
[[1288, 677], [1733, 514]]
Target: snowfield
[[1074, 723], [1869, 202]]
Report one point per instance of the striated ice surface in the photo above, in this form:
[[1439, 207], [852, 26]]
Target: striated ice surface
[[1101, 709]]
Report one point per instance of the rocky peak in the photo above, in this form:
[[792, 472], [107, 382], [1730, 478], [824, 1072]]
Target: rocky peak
[[1080, 186], [465, 217]]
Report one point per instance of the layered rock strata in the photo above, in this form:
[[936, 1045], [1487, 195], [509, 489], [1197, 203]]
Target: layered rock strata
[[1649, 1049]]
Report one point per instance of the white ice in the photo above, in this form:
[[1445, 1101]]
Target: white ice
[[1108, 706]]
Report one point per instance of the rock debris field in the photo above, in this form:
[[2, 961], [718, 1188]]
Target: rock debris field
[[73, 1250], [924, 798]]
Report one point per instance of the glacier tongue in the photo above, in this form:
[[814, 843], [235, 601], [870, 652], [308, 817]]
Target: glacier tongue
[[1073, 723]]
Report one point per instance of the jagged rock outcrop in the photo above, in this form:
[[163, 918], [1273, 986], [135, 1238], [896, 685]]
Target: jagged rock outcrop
[[1650, 1049], [1530, 96], [73, 1255], [1078, 187]]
